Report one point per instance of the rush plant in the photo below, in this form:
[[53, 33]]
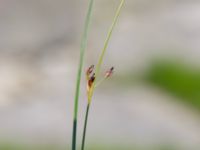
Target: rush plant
[[91, 73], [80, 68]]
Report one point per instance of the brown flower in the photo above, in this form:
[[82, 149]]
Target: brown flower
[[89, 71], [109, 72]]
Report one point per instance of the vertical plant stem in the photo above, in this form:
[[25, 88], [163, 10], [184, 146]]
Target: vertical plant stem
[[100, 61], [82, 52], [108, 37], [98, 69], [85, 127]]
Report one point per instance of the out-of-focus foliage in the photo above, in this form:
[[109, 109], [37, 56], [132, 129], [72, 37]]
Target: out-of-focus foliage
[[10, 146], [179, 79]]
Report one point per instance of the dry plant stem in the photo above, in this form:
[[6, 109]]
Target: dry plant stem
[[98, 69], [82, 52]]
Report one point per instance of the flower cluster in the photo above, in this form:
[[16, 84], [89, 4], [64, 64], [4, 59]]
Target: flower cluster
[[90, 76]]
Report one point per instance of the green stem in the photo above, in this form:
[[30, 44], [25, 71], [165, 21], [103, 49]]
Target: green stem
[[99, 82], [100, 61], [82, 53], [74, 134], [108, 38], [98, 69], [85, 127]]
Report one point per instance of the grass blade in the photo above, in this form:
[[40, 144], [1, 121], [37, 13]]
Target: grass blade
[[100, 61], [85, 127], [78, 80], [91, 90]]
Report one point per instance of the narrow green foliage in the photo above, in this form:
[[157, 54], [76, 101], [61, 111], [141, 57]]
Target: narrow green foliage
[[100, 61], [82, 52], [85, 127], [177, 78]]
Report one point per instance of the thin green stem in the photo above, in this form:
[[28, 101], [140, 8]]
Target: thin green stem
[[85, 127], [100, 61], [99, 82], [98, 69], [82, 53], [108, 38]]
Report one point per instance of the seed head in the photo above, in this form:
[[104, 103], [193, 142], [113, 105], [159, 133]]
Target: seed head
[[89, 71], [90, 82], [109, 72]]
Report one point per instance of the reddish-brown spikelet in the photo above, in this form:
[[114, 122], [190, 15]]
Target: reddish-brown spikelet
[[109, 72], [90, 83], [89, 71]]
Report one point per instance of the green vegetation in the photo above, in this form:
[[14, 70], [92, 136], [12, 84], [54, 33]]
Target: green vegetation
[[92, 147], [178, 79], [92, 80], [80, 68], [9, 146]]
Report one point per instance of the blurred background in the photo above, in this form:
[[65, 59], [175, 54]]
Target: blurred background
[[151, 103]]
